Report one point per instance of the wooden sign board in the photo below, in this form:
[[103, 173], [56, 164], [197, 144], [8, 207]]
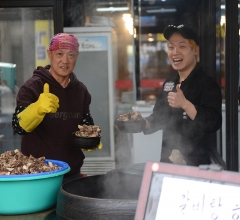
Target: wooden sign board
[[177, 192]]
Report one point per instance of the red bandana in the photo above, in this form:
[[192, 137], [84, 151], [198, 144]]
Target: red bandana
[[64, 41]]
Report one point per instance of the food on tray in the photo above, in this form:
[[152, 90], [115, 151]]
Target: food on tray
[[14, 162], [88, 131], [130, 116]]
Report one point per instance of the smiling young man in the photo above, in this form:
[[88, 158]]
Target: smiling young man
[[188, 109], [51, 105]]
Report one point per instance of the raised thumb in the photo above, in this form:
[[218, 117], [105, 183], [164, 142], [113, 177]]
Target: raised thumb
[[46, 88]]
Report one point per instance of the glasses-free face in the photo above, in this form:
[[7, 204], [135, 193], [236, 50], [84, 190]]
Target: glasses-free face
[[62, 62], [181, 54], [70, 55]]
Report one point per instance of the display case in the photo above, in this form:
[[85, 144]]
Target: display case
[[96, 68]]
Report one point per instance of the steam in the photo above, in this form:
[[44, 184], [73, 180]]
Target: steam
[[123, 145]]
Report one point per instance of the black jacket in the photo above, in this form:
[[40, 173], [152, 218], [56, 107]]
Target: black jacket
[[52, 138], [191, 137]]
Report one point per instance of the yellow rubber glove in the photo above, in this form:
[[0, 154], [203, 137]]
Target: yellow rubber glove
[[99, 147], [33, 115]]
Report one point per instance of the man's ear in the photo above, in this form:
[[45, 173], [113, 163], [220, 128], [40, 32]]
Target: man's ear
[[196, 50], [49, 53]]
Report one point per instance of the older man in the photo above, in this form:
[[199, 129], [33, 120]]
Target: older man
[[51, 105]]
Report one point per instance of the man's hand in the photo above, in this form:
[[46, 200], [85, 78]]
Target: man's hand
[[47, 102], [33, 115], [176, 99]]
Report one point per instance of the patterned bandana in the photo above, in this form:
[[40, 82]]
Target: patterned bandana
[[64, 41]]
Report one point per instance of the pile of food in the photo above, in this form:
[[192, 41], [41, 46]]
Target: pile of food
[[130, 116], [13, 162], [131, 122], [88, 131]]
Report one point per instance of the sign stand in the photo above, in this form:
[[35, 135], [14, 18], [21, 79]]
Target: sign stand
[[170, 191]]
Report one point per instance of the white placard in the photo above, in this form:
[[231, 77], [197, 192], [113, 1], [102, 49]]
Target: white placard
[[182, 199]]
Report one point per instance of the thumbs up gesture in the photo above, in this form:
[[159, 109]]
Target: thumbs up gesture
[[33, 115], [47, 102], [176, 99]]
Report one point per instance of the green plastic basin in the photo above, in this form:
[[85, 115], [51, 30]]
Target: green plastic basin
[[30, 193]]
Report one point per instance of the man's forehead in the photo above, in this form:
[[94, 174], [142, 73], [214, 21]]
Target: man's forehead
[[184, 41]]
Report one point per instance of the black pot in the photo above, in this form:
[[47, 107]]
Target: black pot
[[112, 196]]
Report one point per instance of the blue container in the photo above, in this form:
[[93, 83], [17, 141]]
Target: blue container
[[30, 193], [7, 73]]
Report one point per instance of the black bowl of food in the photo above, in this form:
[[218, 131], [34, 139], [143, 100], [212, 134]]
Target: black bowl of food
[[131, 122], [131, 126], [86, 142], [87, 137]]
